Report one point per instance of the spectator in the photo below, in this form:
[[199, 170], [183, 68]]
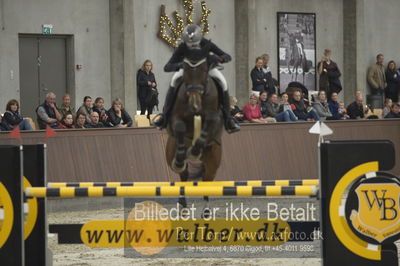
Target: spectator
[[13, 118], [376, 76], [334, 106], [272, 107], [394, 112], [263, 103], [67, 122], [80, 121], [95, 118], [86, 108], [393, 82], [99, 108], [269, 86], [66, 107], [258, 77], [47, 113], [285, 106], [252, 111], [342, 111], [321, 106], [300, 109], [118, 116], [236, 112], [356, 110], [146, 81], [329, 74], [387, 107]]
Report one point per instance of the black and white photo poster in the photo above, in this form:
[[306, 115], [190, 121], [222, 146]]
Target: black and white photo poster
[[296, 53]]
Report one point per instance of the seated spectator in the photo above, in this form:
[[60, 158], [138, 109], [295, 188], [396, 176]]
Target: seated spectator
[[236, 112], [394, 112], [66, 107], [321, 106], [263, 100], [387, 107], [285, 106], [67, 122], [252, 111], [94, 117], [99, 108], [258, 77], [300, 109], [80, 121], [356, 110], [13, 118], [273, 110], [47, 113], [118, 116], [342, 111], [334, 107], [86, 108]]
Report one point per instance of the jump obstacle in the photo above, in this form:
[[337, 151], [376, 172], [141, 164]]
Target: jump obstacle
[[171, 191], [301, 182], [343, 165]]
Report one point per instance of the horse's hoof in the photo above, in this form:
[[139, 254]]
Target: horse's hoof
[[191, 156], [178, 168]]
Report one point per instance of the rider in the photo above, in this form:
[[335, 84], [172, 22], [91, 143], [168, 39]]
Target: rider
[[193, 43]]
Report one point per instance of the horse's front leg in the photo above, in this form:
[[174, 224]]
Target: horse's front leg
[[207, 130], [179, 162]]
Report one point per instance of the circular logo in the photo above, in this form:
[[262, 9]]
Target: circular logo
[[372, 208]]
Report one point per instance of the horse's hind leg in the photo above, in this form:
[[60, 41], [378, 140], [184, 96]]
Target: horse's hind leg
[[179, 164]]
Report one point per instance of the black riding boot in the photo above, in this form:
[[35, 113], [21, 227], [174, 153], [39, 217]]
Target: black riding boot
[[162, 119], [230, 124]]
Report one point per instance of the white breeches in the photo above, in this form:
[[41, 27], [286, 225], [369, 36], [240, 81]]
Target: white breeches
[[214, 73], [217, 75]]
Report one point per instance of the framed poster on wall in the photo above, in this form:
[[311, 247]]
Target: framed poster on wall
[[296, 49]]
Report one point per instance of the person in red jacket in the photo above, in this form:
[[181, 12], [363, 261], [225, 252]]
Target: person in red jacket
[[252, 111]]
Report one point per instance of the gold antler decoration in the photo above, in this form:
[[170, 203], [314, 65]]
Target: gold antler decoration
[[174, 35], [176, 31], [205, 12]]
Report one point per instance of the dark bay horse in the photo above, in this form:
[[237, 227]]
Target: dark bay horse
[[197, 96]]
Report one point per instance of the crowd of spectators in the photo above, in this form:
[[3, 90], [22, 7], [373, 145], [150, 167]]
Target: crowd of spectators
[[264, 106], [65, 117]]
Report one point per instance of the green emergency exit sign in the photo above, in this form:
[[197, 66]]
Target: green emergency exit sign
[[47, 29]]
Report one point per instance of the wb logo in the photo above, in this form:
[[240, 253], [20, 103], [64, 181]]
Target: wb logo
[[378, 207], [387, 205]]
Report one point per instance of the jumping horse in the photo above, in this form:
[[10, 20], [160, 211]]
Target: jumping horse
[[196, 124]]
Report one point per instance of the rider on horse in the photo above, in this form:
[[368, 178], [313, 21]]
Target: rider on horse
[[194, 47]]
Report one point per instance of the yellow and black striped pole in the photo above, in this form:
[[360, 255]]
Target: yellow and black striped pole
[[171, 191], [302, 182]]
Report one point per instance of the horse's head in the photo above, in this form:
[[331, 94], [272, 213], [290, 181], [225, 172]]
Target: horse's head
[[195, 79]]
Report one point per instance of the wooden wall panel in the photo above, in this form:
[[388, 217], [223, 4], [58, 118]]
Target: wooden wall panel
[[272, 151]]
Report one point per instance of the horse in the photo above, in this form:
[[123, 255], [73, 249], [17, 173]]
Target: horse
[[197, 99]]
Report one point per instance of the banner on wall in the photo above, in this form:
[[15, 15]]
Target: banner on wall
[[296, 53]]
